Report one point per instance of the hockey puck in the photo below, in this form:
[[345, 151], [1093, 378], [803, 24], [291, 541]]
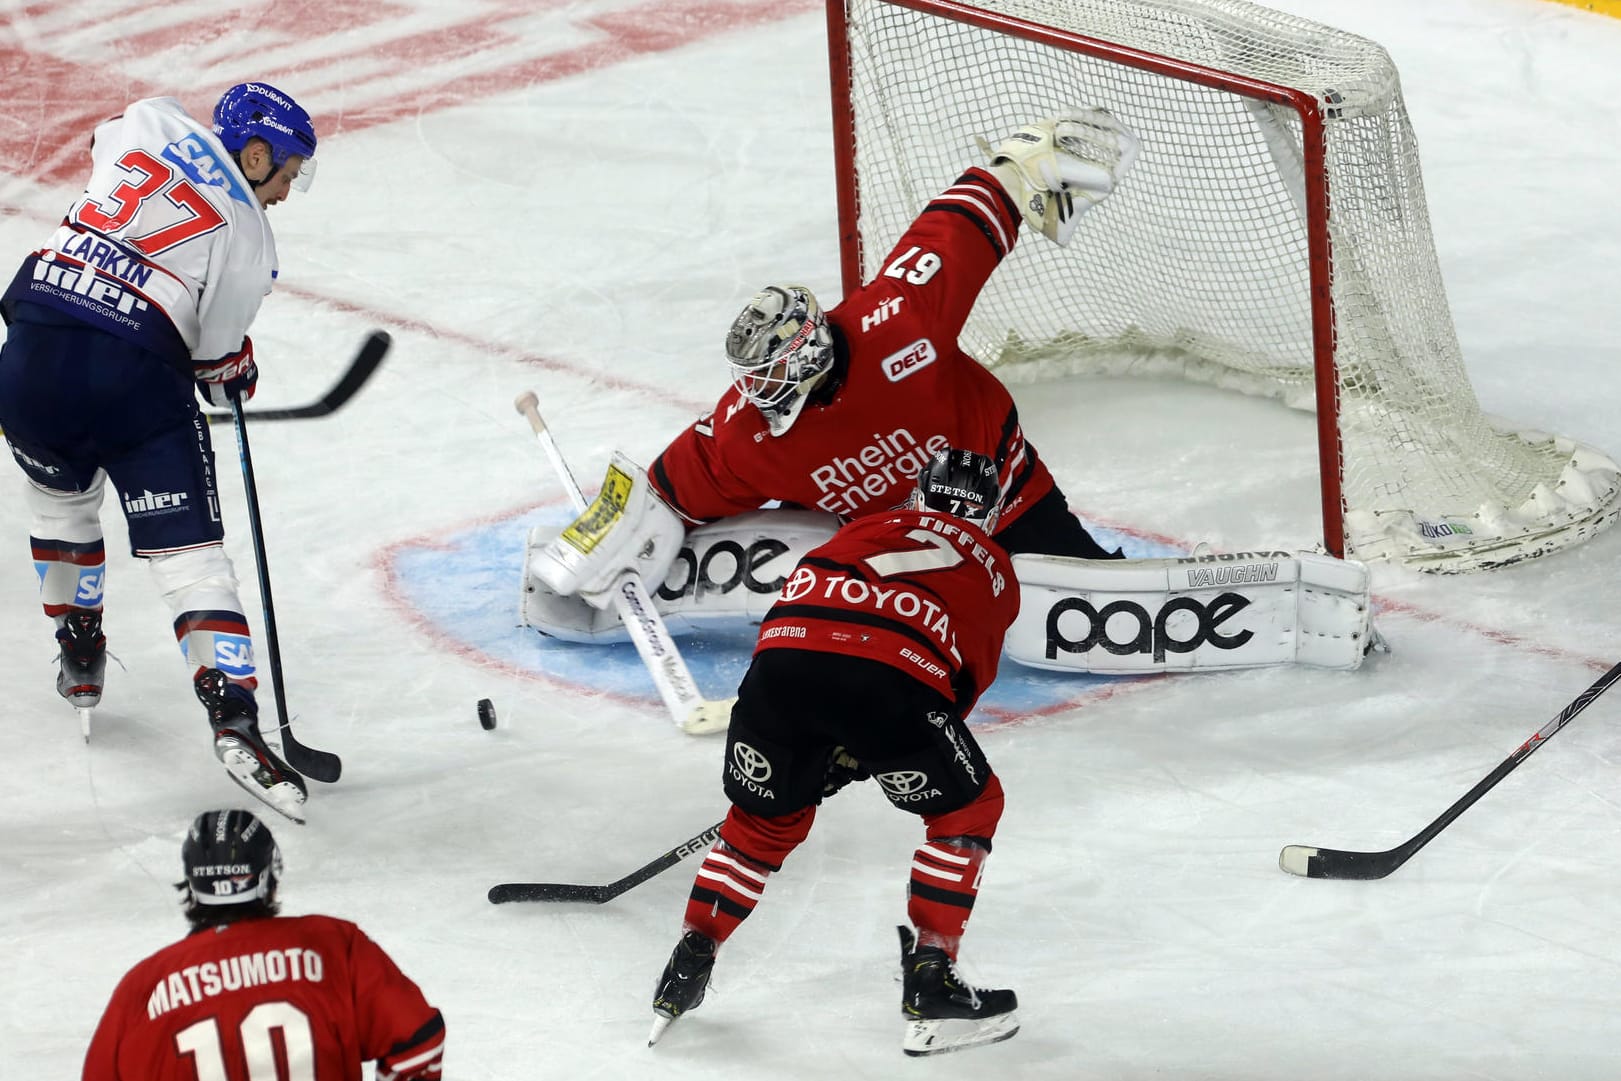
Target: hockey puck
[[486, 714]]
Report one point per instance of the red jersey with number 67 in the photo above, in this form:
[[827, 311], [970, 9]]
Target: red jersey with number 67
[[301, 998], [906, 388], [927, 593]]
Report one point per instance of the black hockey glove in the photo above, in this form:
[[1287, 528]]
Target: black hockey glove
[[841, 770]]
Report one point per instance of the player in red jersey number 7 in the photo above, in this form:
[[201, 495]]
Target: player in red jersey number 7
[[868, 665], [249, 989]]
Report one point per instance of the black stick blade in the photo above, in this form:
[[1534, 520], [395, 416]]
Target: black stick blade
[[318, 765], [371, 354], [1309, 862], [549, 891]]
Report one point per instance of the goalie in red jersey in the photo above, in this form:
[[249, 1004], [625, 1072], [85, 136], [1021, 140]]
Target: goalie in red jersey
[[868, 665], [837, 410], [249, 993]]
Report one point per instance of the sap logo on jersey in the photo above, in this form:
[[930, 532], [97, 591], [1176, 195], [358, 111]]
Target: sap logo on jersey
[[1149, 633], [914, 358]]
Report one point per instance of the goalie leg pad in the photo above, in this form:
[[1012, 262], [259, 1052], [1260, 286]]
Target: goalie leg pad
[[725, 574], [1243, 610]]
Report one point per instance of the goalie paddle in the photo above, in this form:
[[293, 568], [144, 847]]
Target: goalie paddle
[[596, 895], [1312, 862], [371, 354]]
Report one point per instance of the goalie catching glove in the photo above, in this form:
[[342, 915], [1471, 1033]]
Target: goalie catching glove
[[1056, 170], [627, 529]]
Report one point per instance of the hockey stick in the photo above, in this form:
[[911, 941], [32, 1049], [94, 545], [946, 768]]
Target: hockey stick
[[596, 895], [323, 766], [1337, 863], [691, 711], [371, 354]]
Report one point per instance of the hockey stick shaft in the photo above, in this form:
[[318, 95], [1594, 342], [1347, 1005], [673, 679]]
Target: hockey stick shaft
[[371, 354], [1339, 863], [596, 895], [323, 766], [688, 707]]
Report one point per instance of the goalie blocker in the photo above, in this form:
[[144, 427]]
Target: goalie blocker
[[1133, 616]]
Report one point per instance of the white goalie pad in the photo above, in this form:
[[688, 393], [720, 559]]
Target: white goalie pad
[[725, 574], [1242, 610], [626, 528]]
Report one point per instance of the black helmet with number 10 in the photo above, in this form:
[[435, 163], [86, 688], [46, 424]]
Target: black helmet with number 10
[[230, 859], [960, 483]]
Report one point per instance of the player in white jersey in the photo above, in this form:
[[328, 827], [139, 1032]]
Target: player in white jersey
[[144, 294]]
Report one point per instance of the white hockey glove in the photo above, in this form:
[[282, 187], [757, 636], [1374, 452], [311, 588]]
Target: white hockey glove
[[627, 528], [1056, 170]]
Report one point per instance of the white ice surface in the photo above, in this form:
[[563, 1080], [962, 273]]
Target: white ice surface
[[559, 215]]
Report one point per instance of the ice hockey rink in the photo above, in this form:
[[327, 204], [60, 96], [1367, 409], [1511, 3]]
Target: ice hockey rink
[[576, 198]]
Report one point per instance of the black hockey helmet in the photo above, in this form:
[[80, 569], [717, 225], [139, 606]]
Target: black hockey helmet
[[960, 483], [230, 859]]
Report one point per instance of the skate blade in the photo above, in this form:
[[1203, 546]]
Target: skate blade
[[85, 713], [661, 1021], [957, 1033], [244, 767]]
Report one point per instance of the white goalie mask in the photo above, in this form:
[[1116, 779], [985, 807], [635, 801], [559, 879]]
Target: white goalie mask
[[779, 347]]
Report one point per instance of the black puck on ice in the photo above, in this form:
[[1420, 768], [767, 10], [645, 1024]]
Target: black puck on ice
[[486, 714]]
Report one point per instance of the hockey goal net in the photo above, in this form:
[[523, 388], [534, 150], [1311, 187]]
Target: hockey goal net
[[1273, 238]]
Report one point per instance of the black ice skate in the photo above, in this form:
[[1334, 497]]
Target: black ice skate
[[83, 656], [685, 979], [943, 1013], [238, 745]]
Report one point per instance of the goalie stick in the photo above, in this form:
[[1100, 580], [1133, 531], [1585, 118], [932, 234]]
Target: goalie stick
[[691, 711], [1337, 863], [596, 895], [371, 354]]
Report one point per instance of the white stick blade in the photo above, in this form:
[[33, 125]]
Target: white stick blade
[[1296, 859], [708, 718]]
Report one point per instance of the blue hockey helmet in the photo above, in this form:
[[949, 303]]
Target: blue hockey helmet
[[260, 111]]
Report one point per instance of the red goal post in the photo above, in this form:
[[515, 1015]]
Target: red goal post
[[1273, 238]]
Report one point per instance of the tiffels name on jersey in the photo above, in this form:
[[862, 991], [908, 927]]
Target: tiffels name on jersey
[[888, 462]]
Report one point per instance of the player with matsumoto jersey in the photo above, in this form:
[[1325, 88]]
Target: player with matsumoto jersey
[[854, 400], [250, 994], [139, 301]]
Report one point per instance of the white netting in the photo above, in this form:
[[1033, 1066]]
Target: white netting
[[1199, 263]]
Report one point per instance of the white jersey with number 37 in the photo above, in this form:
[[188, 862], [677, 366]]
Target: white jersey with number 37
[[168, 246]]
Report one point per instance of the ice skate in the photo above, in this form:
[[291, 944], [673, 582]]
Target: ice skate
[[83, 657], [943, 1013], [242, 750], [685, 979]]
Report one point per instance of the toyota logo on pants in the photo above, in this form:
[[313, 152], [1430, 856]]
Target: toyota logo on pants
[[750, 763], [903, 782]]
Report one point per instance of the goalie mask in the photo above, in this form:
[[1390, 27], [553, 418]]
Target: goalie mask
[[780, 347], [963, 484], [230, 859]]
